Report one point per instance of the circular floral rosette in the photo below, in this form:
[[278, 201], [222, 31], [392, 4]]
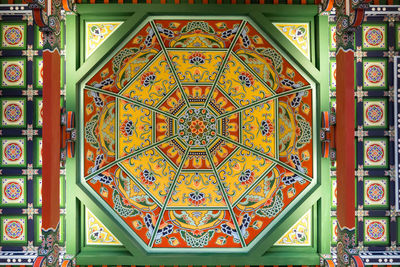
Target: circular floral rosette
[[197, 127]]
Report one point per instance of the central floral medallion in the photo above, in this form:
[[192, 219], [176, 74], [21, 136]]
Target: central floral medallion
[[197, 127]]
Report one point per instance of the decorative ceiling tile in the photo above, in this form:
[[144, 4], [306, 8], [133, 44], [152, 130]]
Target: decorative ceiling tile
[[298, 35], [374, 36], [97, 33], [254, 49], [375, 73], [97, 233], [299, 234], [376, 153], [376, 193], [13, 72], [376, 231], [13, 151], [375, 112], [13, 230], [13, 191], [13, 112], [13, 35]]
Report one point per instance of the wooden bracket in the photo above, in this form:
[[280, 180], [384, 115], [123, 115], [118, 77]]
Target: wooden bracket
[[68, 135], [327, 134]]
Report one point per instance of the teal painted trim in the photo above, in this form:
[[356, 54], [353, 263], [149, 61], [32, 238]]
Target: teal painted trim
[[167, 159], [116, 128], [93, 19], [139, 184], [189, 10], [202, 49], [281, 18], [102, 53], [276, 113], [199, 84], [285, 47], [254, 73], [116, 225], [275, 258], [300, 249], [196, 208], [154, 130], [227, 96], [166, 97], [261, 245], [227, 158]]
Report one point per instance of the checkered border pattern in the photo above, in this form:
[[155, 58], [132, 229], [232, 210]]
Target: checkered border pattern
[[31, 132], [384, 132]]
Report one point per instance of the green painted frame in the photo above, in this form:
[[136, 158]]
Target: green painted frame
[[318, 198]]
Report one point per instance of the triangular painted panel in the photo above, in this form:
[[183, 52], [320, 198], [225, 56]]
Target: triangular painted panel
[[97, 33], [298, 34], [97, 233], [299, 234]]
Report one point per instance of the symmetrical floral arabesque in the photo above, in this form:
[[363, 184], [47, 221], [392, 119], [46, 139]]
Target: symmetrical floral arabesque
[[198, 134]]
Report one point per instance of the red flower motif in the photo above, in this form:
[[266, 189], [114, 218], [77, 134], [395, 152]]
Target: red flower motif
[[125, 201], [197, 127], [197, 232], [268, 202]]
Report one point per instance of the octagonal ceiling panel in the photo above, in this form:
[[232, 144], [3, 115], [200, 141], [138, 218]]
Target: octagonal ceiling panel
[[192, 136]]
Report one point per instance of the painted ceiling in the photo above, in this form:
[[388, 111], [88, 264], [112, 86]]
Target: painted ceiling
[[198, 134]]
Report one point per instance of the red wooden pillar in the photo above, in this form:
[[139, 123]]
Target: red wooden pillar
[[48, 252], [345, 147], [51, 140]]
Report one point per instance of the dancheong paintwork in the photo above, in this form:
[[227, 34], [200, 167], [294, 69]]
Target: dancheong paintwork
[[198, 134]]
